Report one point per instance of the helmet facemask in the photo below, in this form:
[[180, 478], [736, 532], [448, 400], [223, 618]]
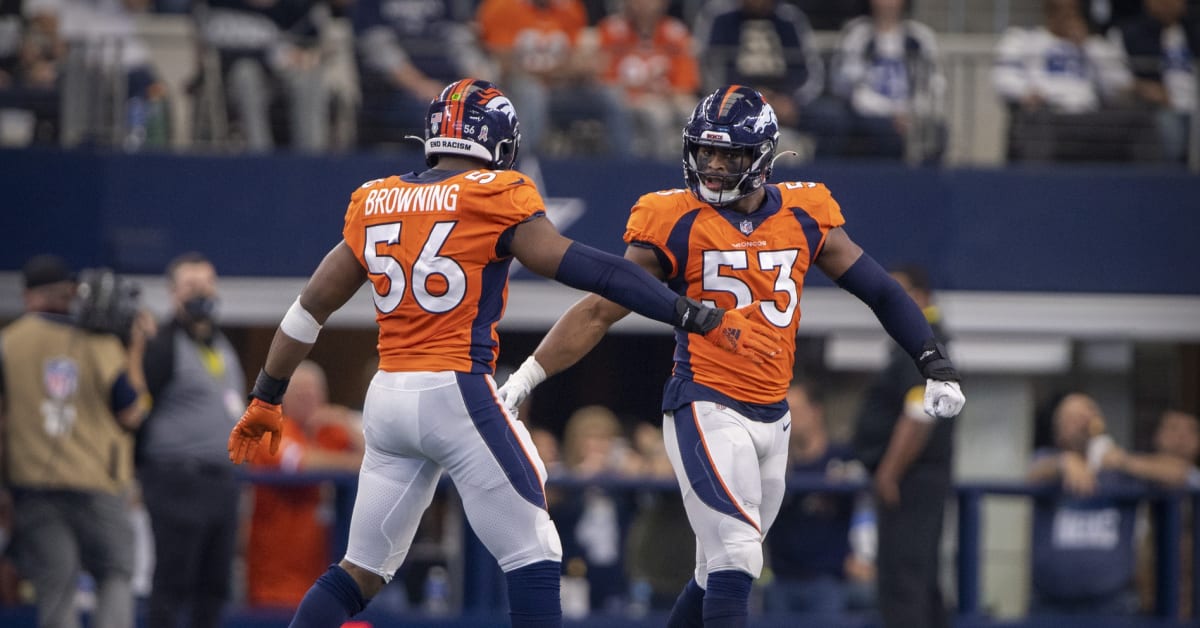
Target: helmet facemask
[[746, 169]]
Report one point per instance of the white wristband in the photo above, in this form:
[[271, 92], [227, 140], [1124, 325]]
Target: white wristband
[[531, 372], [299, 325]]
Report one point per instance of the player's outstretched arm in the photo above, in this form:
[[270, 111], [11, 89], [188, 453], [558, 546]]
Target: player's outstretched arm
[[573, 336], [336, 279], [544, 251], [857, 273]]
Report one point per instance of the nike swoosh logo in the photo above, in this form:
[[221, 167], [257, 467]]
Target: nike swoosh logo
[[517, 182], [786, 426]]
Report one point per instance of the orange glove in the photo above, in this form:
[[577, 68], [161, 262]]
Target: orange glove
[[260, 418], [745, 332]]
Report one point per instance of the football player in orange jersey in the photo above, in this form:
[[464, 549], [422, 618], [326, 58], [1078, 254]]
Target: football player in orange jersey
[[733, 240], [436, 247]]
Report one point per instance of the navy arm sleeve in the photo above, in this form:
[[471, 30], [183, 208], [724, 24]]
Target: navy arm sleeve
[[619, 280], [901, 318]]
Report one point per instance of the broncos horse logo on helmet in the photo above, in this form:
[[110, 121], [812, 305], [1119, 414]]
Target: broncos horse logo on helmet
[[472, 118], [733, 118]]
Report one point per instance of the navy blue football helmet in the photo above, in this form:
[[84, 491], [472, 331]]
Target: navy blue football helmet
[[737, 118], [473, 118]]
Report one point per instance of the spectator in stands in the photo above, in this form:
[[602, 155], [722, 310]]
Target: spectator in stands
[[1162, 45], [32, 56], [651, 455], [547, 446], [767, 45], [268, 48], [832, 15], [407, 51], [11, 26], [16, 125], [10, 38], [289, 536], [1063, 87], [43, 48], [886, 69], [658, 560], [551, 76], [1172, 463], [188, 485], [1083, 549], [109, 63], [592, 522], [648, 56], [1103, 14], [816, 571]]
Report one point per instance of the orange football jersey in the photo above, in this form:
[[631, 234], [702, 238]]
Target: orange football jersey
[[434, 246], [288, 546], [288, 543], [730, 260], [643, 66], [505, 24]]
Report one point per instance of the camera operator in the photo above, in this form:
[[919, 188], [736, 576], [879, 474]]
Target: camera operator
[[71, 396]]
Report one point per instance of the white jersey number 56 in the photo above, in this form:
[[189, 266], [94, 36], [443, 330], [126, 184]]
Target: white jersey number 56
[[382, 238]]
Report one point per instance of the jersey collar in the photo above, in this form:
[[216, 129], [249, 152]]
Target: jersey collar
[[747, 223], [433, 175]]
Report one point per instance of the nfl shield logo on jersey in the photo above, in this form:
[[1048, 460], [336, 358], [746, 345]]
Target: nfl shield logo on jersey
[[746, 227], [61, 378]]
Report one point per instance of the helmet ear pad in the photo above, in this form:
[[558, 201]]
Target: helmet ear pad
[[506, 153], [733, 116]]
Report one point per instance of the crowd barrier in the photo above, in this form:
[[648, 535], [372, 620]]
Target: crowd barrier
[[483, 589], [483, 604]]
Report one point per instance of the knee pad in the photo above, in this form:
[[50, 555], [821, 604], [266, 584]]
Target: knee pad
[[517, 549], [744, 555]]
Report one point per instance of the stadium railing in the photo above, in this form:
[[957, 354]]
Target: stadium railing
[[482, 594], [481, 586]]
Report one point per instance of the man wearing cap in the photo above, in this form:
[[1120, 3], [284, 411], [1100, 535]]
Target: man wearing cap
[[70, 399]]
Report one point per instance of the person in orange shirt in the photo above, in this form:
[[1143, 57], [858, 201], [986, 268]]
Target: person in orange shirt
[[551, 76], [436, 247], [731, 238], [288, 540], [648, 55]]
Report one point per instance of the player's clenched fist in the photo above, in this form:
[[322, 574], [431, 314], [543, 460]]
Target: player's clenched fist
[[943, 394], [744, 331], [260, 418]]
